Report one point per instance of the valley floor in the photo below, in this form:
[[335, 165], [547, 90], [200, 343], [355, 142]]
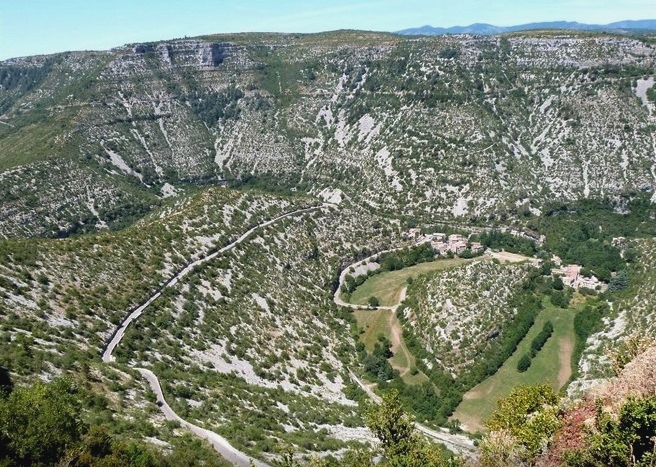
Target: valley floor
[[551, 366]]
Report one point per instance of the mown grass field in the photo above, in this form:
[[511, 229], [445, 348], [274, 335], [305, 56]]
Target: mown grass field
[[387, 285], [551, 366], [384, 322]]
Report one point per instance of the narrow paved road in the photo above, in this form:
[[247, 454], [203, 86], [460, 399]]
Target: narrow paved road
[[120, 331], [220, 444], [342, 277]]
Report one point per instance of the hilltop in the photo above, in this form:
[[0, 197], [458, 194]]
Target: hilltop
[[483, 28]]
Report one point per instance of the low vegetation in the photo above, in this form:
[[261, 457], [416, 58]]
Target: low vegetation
[[45, 425], [531, 132]]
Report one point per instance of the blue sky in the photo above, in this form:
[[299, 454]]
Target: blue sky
[[29, 27]]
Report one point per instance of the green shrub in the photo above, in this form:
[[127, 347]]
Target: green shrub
[[543, 336], [524, 363]]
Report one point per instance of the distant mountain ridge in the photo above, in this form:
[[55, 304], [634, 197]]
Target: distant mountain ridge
[[483, 28]]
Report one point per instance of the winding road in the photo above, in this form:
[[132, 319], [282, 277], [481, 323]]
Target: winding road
[[457, 443], [220, 444], [342, 277]]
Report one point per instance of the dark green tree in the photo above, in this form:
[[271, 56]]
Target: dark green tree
[[524, 363], [401, 443], [38, 424]]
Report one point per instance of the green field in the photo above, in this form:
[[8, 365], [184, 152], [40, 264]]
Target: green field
[[377, 322], [551, 366], [387, 286]]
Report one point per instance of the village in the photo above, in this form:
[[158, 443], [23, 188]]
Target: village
[[572, 277], [457, 244], [443, 243]]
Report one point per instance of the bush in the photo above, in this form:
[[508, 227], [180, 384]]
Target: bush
[[524, 363], [625, 441], [529, 416], [541, 339]]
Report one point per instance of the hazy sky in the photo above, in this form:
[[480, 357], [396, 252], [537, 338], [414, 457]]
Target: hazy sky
[[29, 27]]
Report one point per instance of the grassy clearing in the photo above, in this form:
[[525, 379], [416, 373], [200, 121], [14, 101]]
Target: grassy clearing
[[387, 285], [377, 322], [374, 323], [551, 366]]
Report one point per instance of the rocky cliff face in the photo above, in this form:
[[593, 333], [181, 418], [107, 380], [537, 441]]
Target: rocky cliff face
[[446, 128]]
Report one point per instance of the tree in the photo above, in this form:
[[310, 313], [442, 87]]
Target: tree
[[376, 364], [529, 415], [401, 443], [349, 283], [392, 426], [524, 363], [6, 385], [38, 424], [560, 299], [619, 281], [374, 302], [558, 283]]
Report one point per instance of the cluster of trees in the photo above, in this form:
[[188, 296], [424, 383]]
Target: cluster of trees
[[498, 240], [587, 322], [22, 79], [407, 257], [581, 232], [44, 425], [214, 106], [536, 345], [376, 364], [540, 282], [351, 283], [421, 400]]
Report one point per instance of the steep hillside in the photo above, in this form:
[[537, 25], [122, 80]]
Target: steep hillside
[[456, 314], [451, 127], [250, 332], [216, 188]]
